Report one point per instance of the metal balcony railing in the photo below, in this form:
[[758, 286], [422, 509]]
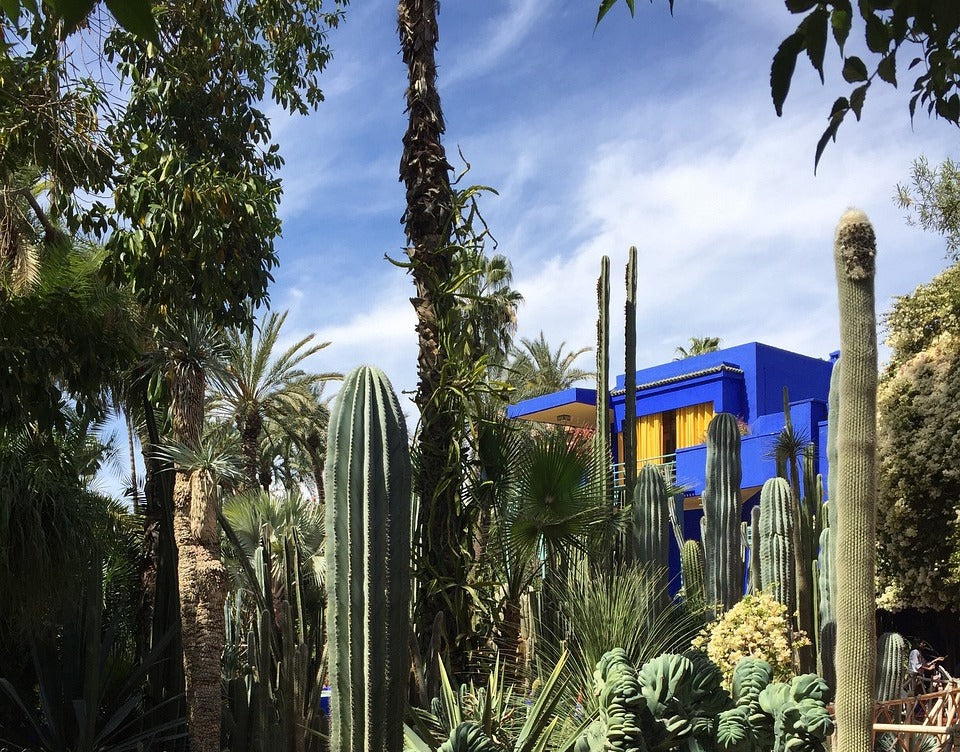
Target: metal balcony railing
[[665, 463]]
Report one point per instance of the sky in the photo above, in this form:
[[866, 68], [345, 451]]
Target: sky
[[655, 131]]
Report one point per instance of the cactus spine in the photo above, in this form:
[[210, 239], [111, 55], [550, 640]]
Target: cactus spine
[[368, 564], [892, 652], [721, 513], [601, 439], [856, 513], [691, 568], [650, 525], [630, 379], [778, 569]]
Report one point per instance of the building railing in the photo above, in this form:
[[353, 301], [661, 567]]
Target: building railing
[[665, 463]]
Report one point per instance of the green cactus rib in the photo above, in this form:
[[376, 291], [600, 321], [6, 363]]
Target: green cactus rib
[[368, 566], [892, 652], [601, 440], [651, 520], [691, 568], [721, 513], [827, 641], [778, 569], [756, 569], [855, 558], [630, 382]]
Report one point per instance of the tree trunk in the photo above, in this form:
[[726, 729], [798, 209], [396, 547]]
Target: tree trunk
[[445, 555], [250, 444], [201, 573]]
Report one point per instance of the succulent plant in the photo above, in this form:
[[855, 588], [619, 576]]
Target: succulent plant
[[777, 540], [855, 500], [721, 513], [368, 513]]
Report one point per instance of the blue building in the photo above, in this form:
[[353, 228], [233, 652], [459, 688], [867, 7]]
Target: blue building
[[676, 401]]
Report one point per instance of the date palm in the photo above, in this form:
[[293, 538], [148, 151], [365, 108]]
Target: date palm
[[698, 346], [191, 349], [259, 386], [538, 369]]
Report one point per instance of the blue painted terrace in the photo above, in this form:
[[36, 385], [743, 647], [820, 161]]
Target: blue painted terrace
[[676, 400]]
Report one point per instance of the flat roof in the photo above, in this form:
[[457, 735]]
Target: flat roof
[[571, 407]]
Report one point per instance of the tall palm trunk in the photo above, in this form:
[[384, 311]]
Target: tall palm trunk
[[445, 552], [250, 445], [202, 576]]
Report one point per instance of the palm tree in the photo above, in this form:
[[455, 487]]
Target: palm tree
[[258, 387], [191, 349], [486, 303], [698, 346], [425, 172], [537, 369]]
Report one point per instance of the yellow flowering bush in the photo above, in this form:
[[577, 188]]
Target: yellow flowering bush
[[757, 627]]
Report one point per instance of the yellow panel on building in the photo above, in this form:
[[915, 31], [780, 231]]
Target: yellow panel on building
[[650, 439], [692, 424]]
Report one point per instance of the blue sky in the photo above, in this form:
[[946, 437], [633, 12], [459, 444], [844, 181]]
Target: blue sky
[[655, 131]]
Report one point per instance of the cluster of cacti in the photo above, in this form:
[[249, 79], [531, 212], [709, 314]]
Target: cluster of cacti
[[855, 500], [778, 571], [721, 513], [274, 671], [368, 564], [678, 702]]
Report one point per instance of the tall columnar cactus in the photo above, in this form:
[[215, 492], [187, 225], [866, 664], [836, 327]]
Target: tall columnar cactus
[[368, 564], [650, 529], [778, 569], [601, 439], [892, 652], [691, 569], [721, 513], [856, 506], [756, 569], [828, 578], [828, 625], [630, 380]]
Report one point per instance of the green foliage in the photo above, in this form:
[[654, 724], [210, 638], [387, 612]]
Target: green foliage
[[194, 215], [916, 321], [933, 200], [368, 514], [622, 609], [489, 718], [919, 491], [535, 368], [692, 570], [136, 16], [89, 689], [889, 28], [698, 346], [40, 362]]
